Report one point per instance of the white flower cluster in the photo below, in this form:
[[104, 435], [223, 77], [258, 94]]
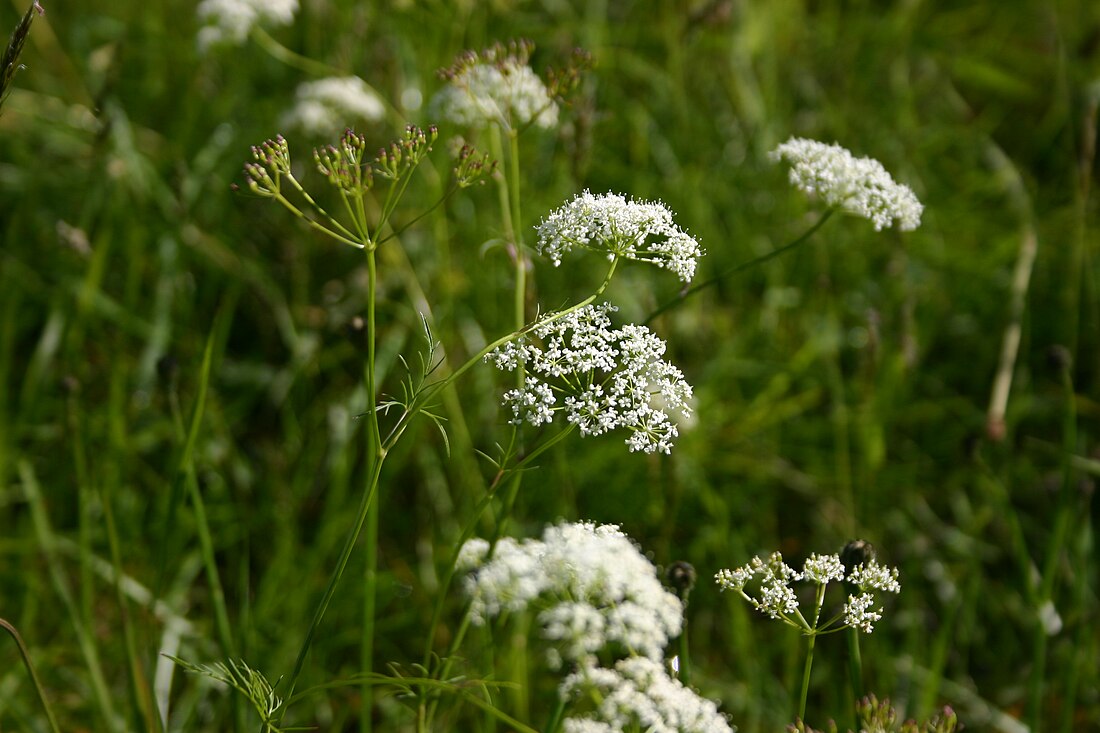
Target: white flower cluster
[[777, 599], [594, 588], [329, 106], [505, 92], [615, 227], [638, 694], [230, 21], [860, 186], [603, 378]]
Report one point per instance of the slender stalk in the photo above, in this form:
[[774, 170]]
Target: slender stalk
[[855, 674], [370, 591], [521, 257], [295, 60], [812, 633], [375, 455], [685, 655], [26, 656], [556, 715], [685, 294]]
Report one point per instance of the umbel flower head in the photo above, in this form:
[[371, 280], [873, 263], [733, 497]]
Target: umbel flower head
[[638, 694], [860, 186], [775, 598], [230, 21], [615, 227], [602, 378], [593, 590], [496, 86], [331, 105]]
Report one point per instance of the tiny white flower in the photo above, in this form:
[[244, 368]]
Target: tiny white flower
[[230, 21], [860, 186], [331, 105], [611, 225]]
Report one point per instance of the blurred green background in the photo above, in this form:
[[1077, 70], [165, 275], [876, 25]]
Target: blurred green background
[[843, 390]]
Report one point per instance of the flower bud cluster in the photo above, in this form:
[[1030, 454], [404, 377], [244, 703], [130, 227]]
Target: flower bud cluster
[[230, 21], [593, 590], [496, 86], [271, 161], [860, 186], [471, 168], [343, 164], [776, 599], [603, 378], [614, 227], [327, 106], [405, 154]]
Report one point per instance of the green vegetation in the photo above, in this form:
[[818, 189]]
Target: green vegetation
[[190, 462]]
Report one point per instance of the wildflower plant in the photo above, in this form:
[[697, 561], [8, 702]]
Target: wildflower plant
[[592, 589], [600, 603], [612, 225], [602, 378], [766, 585], [594, 597], [859, 186]]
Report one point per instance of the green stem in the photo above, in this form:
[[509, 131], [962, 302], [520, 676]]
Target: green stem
[[812, 633], [375, 456], [26, 656], [521, 257], [371, 488], [685, 656], [292, 59], [685, 294], [556, 716], [855, 674]]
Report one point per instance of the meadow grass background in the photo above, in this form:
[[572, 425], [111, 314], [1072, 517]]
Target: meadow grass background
[[842, 389]]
